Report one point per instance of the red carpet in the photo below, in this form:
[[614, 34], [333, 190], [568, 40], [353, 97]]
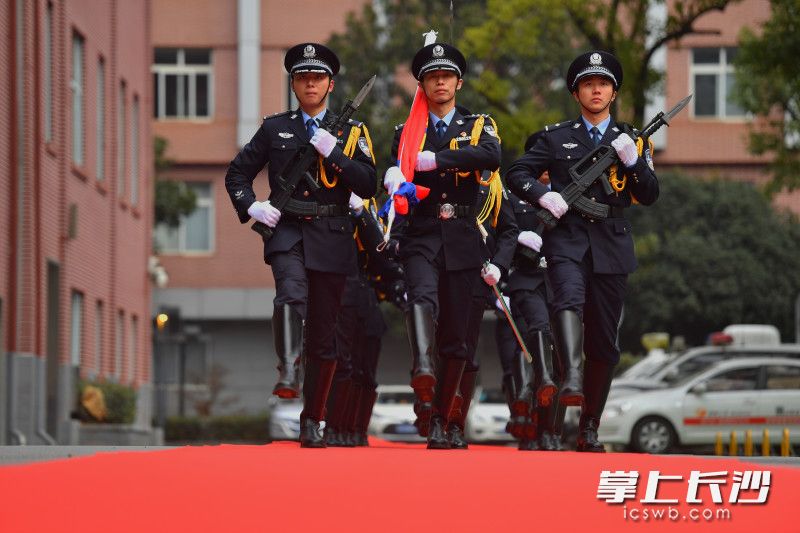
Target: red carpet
[[387, 487]]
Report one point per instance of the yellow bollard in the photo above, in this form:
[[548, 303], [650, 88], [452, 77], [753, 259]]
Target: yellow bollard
[[766, 449], [734, 447], [785, 443], [718, 447], [748, 443]]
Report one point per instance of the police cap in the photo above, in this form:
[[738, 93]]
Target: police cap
[[596, 63], [532, 139], [311, 57], [438, 56]]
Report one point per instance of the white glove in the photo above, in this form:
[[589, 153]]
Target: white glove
[[323, 142], [356, 203], [491, 274], [264, 212], [499, 306], [426, 161], [531, 239], [393, 179], [626, 150], [553, 202]]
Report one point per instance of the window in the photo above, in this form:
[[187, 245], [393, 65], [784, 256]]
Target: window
[[132, 348], [713, 78], [100, 127], [182, 83], [121, 120], [99, 317], [119, 347], [76, 327], [195, 232], [740, 379], [76, 87], [135, 151], [783, 378], [48, 73]]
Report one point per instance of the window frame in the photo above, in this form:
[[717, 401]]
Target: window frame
[[77, 97], [180, 69], [721, 71], [204, 202]]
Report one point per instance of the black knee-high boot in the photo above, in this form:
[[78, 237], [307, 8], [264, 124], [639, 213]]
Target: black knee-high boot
[[568, 334], [287, 333], [596, 385], [317, 384], [457, 425], [443, 402]]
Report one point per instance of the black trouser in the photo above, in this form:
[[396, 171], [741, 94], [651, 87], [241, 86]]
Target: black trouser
[[596, 298], [449, 294], [315, 295]]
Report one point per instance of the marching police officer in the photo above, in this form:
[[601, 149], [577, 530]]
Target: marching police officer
[[359, 329], [441, 248], [588, 259], [501, 240], [312, 249]]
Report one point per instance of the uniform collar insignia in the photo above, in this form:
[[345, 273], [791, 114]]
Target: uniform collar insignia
[[459, 122], [294, 116], [576, 125], [616, 129], [569, 146], [285, 135]]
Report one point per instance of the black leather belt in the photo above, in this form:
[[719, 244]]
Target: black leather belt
[[313, 209], [446, 211], [601, 212]]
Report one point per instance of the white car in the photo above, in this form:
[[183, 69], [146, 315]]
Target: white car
[[735, 395], [284, 418], [679, 367], [393, 415], [487, 417]]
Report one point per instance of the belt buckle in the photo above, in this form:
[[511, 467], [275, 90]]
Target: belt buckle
[[447, 211]]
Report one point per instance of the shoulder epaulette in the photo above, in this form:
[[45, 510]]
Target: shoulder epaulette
[[476, 115], [399, 126], [355, 123], [276, 115], [558, 125]]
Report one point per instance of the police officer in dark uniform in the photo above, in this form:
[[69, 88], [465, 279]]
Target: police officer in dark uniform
[[312, 249], [359, 329], [441, 248], [588, 260], [501, 241]]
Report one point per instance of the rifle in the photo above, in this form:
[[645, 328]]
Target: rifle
[[296, 168], [595, 166]]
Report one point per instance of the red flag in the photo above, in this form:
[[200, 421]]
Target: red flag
[[412, 135]]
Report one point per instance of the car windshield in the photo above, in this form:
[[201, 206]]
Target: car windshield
[[396, 397], [492, 396], [689, 367]]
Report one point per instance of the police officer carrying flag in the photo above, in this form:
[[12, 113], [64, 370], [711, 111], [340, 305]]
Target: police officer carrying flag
[[588, 259], [441, 247], [311, 250]]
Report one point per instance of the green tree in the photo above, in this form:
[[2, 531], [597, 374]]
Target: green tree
[[173, 199], [518, 52], [710, 253], [768, 83]]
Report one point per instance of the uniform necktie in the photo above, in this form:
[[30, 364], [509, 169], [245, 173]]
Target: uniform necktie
[[595, 135], [311, 127], [440, 127]]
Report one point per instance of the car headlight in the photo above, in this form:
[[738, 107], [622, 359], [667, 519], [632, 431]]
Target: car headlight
[[617, 409]]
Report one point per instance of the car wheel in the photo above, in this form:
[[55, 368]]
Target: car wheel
[[653, 435]]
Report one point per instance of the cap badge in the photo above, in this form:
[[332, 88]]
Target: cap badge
[[309, 51], [438, 51], [596, 59]]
